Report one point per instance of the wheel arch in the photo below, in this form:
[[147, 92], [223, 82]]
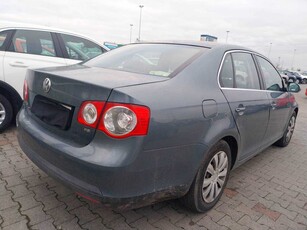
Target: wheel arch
[[296, 110], [233, 144], [12, 95]]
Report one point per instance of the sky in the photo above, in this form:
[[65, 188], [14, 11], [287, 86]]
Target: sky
[[275, 28]]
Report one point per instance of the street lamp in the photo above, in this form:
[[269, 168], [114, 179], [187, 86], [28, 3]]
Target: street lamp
[[227, 35], [141, 7], [293, 59], [270, 50], [131, 25]]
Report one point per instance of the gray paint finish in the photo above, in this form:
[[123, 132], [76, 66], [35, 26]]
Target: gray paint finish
[[189, 113]]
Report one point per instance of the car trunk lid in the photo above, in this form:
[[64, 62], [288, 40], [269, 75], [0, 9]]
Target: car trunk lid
[[57, 108]]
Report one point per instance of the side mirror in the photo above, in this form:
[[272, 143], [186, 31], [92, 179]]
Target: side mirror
[[293, 88]]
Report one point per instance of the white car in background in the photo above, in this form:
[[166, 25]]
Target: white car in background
[[27, 46]]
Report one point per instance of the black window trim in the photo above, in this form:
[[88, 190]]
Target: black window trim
[[260, 76], [57, 48], [62, 45]]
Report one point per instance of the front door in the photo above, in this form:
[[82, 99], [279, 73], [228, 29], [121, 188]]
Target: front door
[[249, 104], [280, 100]]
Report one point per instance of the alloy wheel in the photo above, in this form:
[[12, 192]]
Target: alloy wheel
[[2, 113], [290, 129], [215, 176]]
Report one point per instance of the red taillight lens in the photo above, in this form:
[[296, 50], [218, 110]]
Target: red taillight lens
[[90, 112], [117, 120], [124, 120], [25, 91]]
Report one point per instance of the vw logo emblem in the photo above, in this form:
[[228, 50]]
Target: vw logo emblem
[[46, 85]]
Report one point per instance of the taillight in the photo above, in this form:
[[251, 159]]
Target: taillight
[[25, 91], [124, 120], [117, 120], [90, 112]]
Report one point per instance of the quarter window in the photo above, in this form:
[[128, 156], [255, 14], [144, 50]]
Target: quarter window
[[80, 49], [271, 78], [245, 73], [33, 42]]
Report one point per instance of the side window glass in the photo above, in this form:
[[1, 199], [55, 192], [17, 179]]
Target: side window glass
[[33, 42], [246, 75], [226, 75], [271, 78], [80, 48], [2, 38]]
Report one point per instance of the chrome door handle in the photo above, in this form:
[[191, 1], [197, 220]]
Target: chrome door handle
[[240, 110], [18, 64], [273, 104]]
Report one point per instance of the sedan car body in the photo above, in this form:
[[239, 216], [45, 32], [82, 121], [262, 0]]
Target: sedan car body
[[154, 121], [25, 46]]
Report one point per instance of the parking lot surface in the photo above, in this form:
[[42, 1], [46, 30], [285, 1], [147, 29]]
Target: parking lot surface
[[267, 192]]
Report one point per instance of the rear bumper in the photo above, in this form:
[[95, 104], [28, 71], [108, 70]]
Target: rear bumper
[[117, 173]]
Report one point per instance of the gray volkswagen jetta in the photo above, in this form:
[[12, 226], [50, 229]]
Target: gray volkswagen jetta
[[154, 121]]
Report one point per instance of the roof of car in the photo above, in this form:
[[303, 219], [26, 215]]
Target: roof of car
[[9, 24], [183, 42], [18, 25], [209, 45]]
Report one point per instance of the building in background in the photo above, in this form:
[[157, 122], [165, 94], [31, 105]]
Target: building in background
[[208, 38]]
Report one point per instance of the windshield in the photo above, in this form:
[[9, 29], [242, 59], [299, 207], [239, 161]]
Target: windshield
[[154, 59]]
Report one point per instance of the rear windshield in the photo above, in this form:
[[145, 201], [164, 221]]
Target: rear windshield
[[154, 59]]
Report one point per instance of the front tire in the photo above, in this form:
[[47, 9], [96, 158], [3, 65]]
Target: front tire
[[286, 138], [210, 180], [6, 113]]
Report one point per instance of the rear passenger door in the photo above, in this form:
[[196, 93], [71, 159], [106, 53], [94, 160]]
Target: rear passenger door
[[29, 49], [280, 100], [249, 104]]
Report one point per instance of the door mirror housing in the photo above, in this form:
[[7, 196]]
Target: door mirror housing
[[293, 87]]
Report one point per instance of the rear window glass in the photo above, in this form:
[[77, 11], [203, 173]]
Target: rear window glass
[[154, 59]]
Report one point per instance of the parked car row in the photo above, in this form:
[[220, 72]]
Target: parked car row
[[23, 47], [294, 76]]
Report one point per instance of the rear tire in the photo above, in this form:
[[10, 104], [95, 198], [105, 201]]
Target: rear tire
[[286, 138], [6, 113], [210, 180]]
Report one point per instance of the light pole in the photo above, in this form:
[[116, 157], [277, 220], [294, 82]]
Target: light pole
[[131, 25], [270, 50], [227, 35], [293, 59], [141, 7]]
